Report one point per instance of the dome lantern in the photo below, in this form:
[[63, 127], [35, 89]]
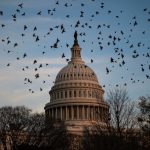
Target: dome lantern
[[76, 51]]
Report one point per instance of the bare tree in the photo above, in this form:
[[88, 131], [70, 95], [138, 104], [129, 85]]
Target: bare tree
[[144, 120], [122, 110], [119, 130], [13, 122], [44, 134], [22, 129]]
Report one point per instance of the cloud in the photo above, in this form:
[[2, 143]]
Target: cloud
[[19, 97], [31, 4], [8, 3], [32, 20], [14, 92]]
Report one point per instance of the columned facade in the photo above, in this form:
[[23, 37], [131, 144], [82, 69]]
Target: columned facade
[[77, 112], [76, 97]]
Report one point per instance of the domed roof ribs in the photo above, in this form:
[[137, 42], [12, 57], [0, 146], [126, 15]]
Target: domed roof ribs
[[76, 51]]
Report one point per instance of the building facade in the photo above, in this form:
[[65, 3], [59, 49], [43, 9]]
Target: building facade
[[77, 97]]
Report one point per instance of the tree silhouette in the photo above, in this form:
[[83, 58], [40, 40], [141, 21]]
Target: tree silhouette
[[118, 132], [122, 110], [21, 129], [14, 122], [144, 119]]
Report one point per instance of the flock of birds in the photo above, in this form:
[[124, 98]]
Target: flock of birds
[[114, 38]]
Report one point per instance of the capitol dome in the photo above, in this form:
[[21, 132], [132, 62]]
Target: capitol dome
[[76, 71], [76, 97]]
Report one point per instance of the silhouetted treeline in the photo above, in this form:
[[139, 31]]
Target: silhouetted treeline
[[111, 141], [124, 128], [22, 129], [127, 127]]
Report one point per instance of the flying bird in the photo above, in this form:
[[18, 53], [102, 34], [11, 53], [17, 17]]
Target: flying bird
[[1, 13], [20, 5]]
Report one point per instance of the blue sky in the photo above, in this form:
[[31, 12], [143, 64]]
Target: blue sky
[[100, 23]]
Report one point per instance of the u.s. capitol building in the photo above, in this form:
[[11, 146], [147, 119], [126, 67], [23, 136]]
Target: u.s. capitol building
[[76, 97]]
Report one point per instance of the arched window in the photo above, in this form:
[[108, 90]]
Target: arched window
[[75, 94], [70, 93], [80, 93], [61, 94], [57, 95], [89, 94], [84, 93], [65, 94]]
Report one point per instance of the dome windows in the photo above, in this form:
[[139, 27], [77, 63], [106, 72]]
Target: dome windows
[[76, 72]]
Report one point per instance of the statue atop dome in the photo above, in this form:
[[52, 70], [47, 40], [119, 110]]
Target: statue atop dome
[[75, 35], [76, 50], [75, 38]]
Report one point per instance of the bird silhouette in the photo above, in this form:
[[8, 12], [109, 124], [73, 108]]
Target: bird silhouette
[[15, 44], [25, 27], [63, 55], [24, 55], [20, 5], [113, 37], [23, 14], [37, 75], [1, 13], [39, 13]]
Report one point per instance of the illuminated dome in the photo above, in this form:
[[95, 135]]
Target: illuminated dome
[[76, 97], [76, 71]]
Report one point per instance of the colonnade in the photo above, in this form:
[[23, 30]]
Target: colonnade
[[77, 112], [86, 93]]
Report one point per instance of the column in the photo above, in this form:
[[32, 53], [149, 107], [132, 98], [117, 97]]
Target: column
[[100, 113], [83, 112], [63, 94], [66, 114], [90, 108], [48, 113], [56, 114], [77, 112], [52, 114], [94, 113], [69, 108], [91, 113], [87, 112], [72, 114], [61, 113]]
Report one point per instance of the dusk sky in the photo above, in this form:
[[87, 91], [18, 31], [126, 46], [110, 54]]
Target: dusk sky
[[115, 34]]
